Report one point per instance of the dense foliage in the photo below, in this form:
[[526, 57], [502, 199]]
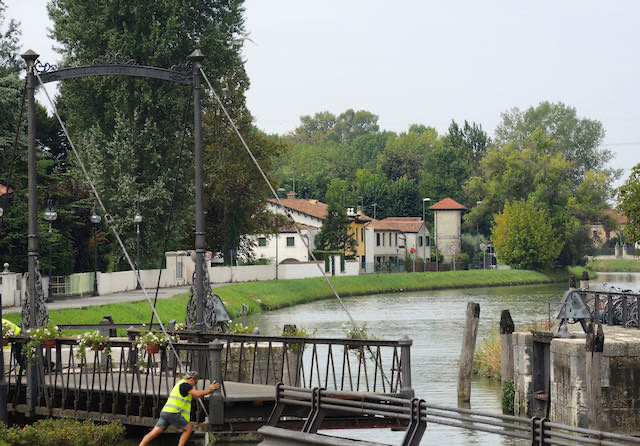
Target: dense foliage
[[525, 237], [63, 432]]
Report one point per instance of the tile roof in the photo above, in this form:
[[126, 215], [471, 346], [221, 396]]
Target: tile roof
[[291, 229], [401, 224], [621, 219], [447, 205], [314, 208]]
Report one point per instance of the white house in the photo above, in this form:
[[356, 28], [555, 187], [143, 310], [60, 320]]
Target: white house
[[287, 245], [396, 238]]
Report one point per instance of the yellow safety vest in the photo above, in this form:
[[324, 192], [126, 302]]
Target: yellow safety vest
[[176, 403], [14, 327]]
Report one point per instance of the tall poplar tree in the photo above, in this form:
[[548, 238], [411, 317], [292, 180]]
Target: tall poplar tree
[[106, 111]]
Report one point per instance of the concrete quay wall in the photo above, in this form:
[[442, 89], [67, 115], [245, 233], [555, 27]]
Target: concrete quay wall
[[567, 397]]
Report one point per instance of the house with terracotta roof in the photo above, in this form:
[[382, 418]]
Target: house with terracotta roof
[[312, 213], [306, 211], [395, 238], [447, 222]]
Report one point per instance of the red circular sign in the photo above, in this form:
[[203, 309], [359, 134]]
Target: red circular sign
[[413, 250]]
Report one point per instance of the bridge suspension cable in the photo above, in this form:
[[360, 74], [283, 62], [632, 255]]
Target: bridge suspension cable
[[275, 195]]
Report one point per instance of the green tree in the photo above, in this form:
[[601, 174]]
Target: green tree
[[524, 237], [404, 154], [629, 204], [404, 199], [10, 63], [577, 139], [470, 141], [444, 173], [110, 111], [374, 189], [335, 235]]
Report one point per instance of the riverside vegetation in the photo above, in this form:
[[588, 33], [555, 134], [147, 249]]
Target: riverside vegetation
[[274, 294]]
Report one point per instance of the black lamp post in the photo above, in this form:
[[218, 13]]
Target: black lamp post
[[95, 219], [424, 244], [137, 219], [50, 215]]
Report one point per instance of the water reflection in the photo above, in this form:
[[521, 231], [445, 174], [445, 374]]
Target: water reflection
[[435, 322]]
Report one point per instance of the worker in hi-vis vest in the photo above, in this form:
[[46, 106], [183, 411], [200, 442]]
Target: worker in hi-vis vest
[[177, 409], [13, 328]]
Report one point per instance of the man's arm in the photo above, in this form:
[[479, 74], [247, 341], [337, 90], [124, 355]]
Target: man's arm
[[198, 393]]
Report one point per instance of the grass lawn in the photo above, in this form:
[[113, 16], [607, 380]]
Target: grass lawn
[[615, 265], [273, 294]]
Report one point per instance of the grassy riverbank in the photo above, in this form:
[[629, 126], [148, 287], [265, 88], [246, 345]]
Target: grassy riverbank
[[614, 266], [274, 294]]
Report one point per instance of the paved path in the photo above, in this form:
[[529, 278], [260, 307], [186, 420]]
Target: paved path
[[124, 296]]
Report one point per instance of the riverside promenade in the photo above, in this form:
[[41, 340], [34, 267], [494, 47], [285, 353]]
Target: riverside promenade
[[123, 296]]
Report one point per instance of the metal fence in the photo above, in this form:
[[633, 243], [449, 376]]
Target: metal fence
[[340, 364]]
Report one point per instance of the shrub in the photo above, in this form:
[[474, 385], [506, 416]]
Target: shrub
[[63, 432], [487, 358], [508, 396]]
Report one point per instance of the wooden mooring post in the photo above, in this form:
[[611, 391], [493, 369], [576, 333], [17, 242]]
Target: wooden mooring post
[[468, 349], [506, 344], [595, 347]]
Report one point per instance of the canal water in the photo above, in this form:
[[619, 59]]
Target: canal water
[[434, 320]]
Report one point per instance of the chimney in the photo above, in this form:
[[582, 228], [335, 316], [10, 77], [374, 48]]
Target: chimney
[[291, 195], [359, 210]]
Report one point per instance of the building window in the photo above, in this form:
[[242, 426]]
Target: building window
[[377, 239], [262, 241], [419, 240], [179, 268], [290, 241], [427, 241], [362, 234], [396, 239]]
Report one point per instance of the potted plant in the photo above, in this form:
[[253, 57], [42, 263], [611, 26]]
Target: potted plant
[[151, 342], [8, 330], [42, 336], [93, 340], [362, 334]]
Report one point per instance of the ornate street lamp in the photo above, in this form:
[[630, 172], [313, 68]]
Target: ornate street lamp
[[50, 215], [137, 219], [95, 219]]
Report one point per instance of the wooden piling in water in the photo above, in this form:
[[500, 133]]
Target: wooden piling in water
[[468, 349], [506, 340]]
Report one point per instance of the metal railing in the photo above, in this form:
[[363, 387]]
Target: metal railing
[[119, 381], [340, 364], [612, 307], [319, 404]]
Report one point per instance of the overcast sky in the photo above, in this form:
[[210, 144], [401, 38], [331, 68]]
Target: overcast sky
[[428, 62]]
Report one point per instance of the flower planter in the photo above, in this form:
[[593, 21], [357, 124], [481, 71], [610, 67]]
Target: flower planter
[[153, 348], [98, 347], [48, 343], [5, 342]]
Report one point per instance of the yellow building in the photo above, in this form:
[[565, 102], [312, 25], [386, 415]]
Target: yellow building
[[357, 223]]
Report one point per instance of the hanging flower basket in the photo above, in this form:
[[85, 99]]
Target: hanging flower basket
[[48, 343], [153, 348], [5, 342]]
